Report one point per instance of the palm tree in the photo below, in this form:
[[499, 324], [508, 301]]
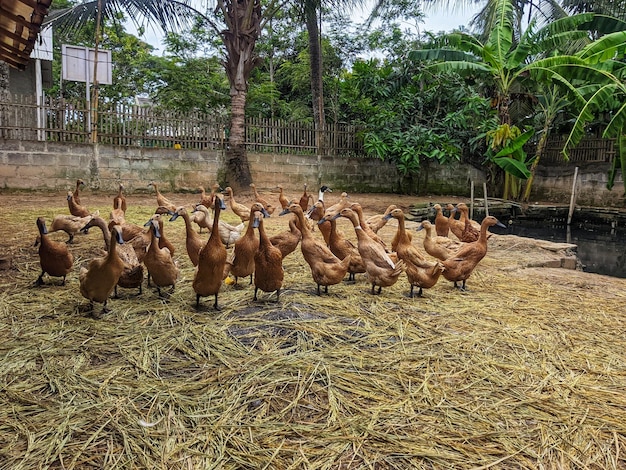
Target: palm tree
[[312, 17], [238, 22]]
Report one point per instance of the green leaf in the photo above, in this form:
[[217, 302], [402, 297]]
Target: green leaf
[[515, 144], [513, 167]]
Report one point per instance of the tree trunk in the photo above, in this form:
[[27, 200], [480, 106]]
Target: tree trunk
[[243, 19], [317, 84], [538, 154], [238, 174]]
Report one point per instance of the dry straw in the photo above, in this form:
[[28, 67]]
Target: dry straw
[[527, 370]]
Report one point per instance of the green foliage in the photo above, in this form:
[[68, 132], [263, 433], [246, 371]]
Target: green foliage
[[411, 117]]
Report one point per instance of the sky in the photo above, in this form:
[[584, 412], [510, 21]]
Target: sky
[[435, 21]]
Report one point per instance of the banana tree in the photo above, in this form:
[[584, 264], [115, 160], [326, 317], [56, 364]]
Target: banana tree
[[512, 70], [600, 66]]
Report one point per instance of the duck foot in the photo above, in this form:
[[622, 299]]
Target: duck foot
[[420, 293]]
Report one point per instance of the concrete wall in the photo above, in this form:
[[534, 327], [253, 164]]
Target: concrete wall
[[55, 166], [554, 183]]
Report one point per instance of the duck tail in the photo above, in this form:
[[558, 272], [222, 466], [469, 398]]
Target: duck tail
[[400, 267]]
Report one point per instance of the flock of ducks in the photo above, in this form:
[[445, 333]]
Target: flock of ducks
[[132, 249]]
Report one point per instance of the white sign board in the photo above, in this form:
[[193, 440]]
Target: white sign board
[[78, 64], [43, 45]]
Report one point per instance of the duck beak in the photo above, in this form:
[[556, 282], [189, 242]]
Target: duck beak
[[284, 211], [174, 217]]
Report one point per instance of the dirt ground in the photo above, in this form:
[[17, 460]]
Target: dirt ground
[[18, 231]]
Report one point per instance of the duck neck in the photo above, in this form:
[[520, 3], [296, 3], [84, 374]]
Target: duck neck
[[216, 223], [402, 229], [304, 228], [263, 238], [112, 246], [188, 228], [106, 233], [483, 233]]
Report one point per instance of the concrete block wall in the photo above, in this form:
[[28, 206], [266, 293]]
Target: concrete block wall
[[554, 183], [56, 166]]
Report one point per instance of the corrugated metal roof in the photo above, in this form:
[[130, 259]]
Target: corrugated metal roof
[[20, 23]]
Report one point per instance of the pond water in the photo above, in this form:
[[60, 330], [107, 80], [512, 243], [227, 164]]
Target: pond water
[[601, 250]]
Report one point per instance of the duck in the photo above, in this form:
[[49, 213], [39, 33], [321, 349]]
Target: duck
[[326, 268], [242, 260], [460, 266], [465, 229], [269, 208], [287, 240], [161, 267], [268, 262], [211, 262], [358, 210], [442, 223], [439, 247], [381, 269], [54, 257], [420, 272], [323, 190], [162, 201], [423, 277], [342, 247], [163, 241], [75, 208], [304, 200], [118, 214], [334, 209], [242, 211], [228, 233], [315, 218], [282, 199], [120, 195], [70, 224], [76, 194], [132, 275], [378, 221], [205, 199], [100, 277], [193, 241]]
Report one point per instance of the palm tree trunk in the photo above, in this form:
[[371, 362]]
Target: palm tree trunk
[[317, 87], [238, 174]]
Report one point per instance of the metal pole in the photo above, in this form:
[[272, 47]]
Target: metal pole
[[486, 205], [572, 198], [472, 199]]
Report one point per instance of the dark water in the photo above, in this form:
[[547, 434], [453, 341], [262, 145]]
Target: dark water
[[601, 250]]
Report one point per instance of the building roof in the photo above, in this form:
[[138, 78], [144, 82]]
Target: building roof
[[20, 22]]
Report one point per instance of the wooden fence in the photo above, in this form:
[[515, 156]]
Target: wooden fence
[[21, 118], [130, 125], [590, 149]]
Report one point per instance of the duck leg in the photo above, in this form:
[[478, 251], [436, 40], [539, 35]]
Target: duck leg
[[197, 301], [255, 291], [39, 280], [215, 304], [277, 294]]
